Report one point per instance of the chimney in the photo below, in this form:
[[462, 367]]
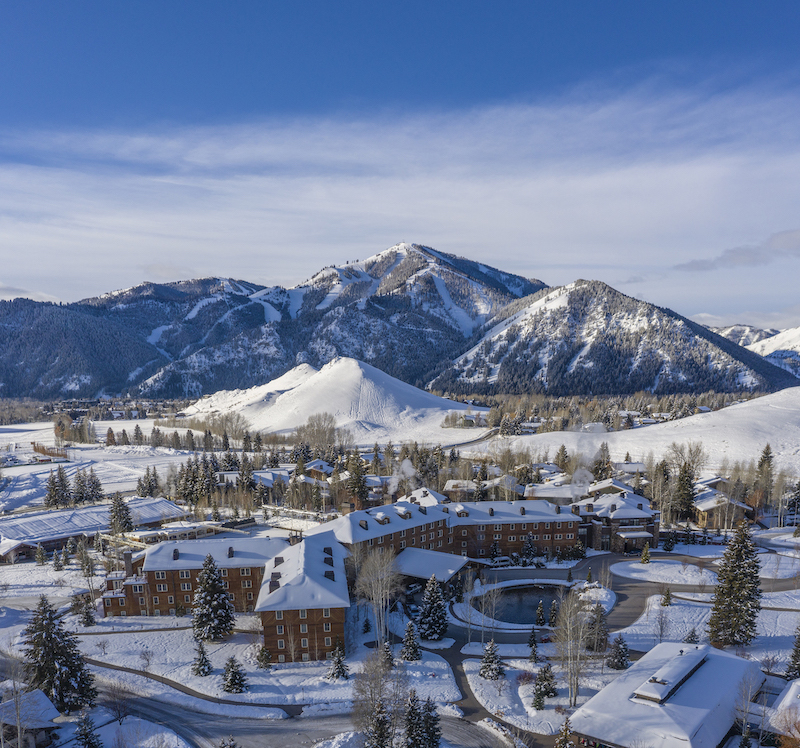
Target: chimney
[[522, 510], [491, 511], [127, 559], [558, 508], [230, 551], [176, 554]]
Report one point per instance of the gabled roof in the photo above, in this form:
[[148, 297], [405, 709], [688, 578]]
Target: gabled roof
[[247, 552], [36, 711], [308, 575], [487, 512], [425, 497], [422, 564], [617, 506]]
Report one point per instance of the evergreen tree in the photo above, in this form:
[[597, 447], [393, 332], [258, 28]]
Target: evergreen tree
[[212, 612], [410, 649], [540, 619], [737, 596], [551, 621], [602, 468], [379, 730], [387, 656], [666, 598], [201, 665], [58, 561], [53, 661], [64, 556], [51, 492], [264, 658], [684, 492], [234, 679], [367, 627], [72, 546], [793, 669], [87, 613], [569, 574], [691, 637], [618, 658], [338, 669], [492, 667], [111, 439], [597, 629], [94, 488], [564, 737], [431, 729], [414, 734], [538, 695], [41, 556], [547, 679], [589, 575], [533, 656], [357, 482], [86, 735], [646, 553], [63, 490], [433, 612], [119, 515], [79, 494], [561, 460]]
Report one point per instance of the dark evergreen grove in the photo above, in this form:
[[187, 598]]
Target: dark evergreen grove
[[53, 662], [737, 596]]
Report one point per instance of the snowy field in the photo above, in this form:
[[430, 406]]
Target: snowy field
[[664, 572], [26, 580], [511, 698], [696, 550], [738, 432], [132, 731]]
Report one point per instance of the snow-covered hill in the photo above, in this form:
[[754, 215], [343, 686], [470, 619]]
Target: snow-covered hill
[[782, 349], [738, 432], [744, 335], [588, 338], [371, 404]]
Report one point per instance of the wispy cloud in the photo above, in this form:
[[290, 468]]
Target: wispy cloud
[[778, 246], [598, 183]]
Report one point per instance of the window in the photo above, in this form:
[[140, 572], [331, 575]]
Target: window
[[511, 527], [402, 534], [161, 588], [304, 643], [558, 536], [281, 658], [326, 627], [123, 613], [498, 527], [281, 645], [463, 543], [481, 552], [142, 601], [535, 537], [244, 572], [498, 536], [512, 538], [545, 537], [231, 596], [122, 601], [463, 532], [329, 655], [326, 612], [186, 586], [303, 614], [156, 612], [370, 542], [161, 575], [303, 628], [546, 525], [440, 533], [481, 527], [402, 544], [185, 574], [225, 584], [535, 526], [523, 526], [305, 657], [155, 599], [138, 588], [558, 525], [223, 572], [439, 544], [481, 536], [327, 641], [249, 595], [278, 615], [279, 630], [570, 536], [172, 611], [171, 600], [247, 583], [380, 540]]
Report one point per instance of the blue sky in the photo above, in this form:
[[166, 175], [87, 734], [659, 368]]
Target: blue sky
[[652, 146]]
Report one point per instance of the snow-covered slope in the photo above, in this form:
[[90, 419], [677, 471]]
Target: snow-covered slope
[[588, 338], [363, 399], [738, 432], [782, 349], [744, 335]]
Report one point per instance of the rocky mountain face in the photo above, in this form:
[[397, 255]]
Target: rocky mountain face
[[744, 335], [587, 338], [781, 349]]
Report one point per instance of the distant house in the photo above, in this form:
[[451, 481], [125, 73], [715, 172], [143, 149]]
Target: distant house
[[617, 522], [713, 509], [36, 715]]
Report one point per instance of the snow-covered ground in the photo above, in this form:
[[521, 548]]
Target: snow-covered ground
[[664, 571], [29, 580], [696, 550], [738, 432], [132, 731]]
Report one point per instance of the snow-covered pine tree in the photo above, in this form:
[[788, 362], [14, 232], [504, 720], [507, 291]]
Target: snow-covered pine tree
[[201, 665], [691, 637], [387, 656], [597, 629], [737, 596], [666, 598], [410, 649], [538, 695], [234, 679], [79, 487], [547, 678], [618, 658], [58, 560], [87, 613], [119, 515], [431, 729], [367, 627], [433, 612], [64, 557], [338, 669], [564, 737], [212, 612], [534, 653], [53, 661], [41, 556], [646, 553], [86, 734], [378, 733], [264, 658], [94, 488], [492, 667], [552, 620], [793, 668], [414, 735], [540, 619]]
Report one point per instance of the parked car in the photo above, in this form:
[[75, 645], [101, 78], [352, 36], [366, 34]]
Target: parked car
[[501, 561]]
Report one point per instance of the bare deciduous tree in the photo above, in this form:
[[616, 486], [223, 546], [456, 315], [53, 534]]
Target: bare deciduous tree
[[378, 581], [570, 638]]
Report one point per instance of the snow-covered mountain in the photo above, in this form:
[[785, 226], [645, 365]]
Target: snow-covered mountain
[[782, 349], [744, 335], [371, 404], [587, 338]]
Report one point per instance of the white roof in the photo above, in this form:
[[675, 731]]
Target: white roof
[[635, 534], [486, 512], [35, 527], [301, 576], [423, 564], [425, 497], [669, 700], [36, 711], [711, 499], [618, 506], [191, 553]]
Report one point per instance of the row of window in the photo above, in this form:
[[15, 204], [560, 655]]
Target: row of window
[[279, 630], [326, 613], [187, 573], [303, 645]]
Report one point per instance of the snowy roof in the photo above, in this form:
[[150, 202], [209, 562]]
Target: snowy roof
[[363, 524], [422, 564], [486, 512], [630, 467], [552, 491], [191, 553], [711, 499], [617, 506], [635, 534], [320, 466], [425, 497], [675, 696], [307, 575], [609, 485], [35, 527], [36, 711]]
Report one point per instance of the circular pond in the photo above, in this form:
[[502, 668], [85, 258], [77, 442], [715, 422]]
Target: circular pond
[[519, 604]]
